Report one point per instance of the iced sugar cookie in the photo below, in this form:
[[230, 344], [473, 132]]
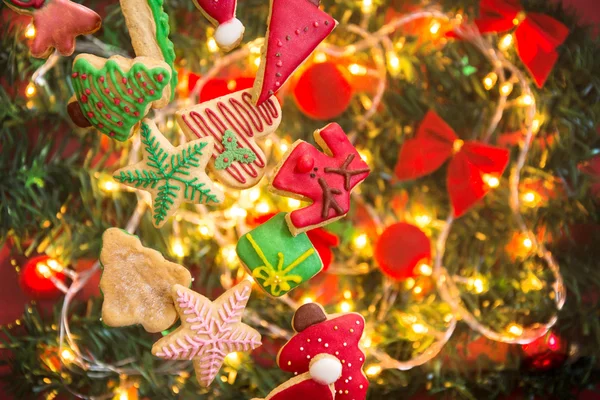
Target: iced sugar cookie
[[57, 24], [278, 261], [235, 124], [172, 175], [209, 330], [295, 29], [136, 283], [325, 179], [113, 95], [337, 335]]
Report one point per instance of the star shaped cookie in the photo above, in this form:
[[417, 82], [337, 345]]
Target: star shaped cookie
[[136, 283], [172, 175], [209, 330]]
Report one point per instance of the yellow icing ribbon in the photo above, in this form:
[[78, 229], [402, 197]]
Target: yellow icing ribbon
[[277, 278]]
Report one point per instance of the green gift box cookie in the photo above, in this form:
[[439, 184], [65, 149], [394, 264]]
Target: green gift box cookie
[[278, 261]]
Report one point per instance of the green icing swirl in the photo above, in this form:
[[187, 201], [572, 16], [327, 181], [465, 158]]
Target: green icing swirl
[[161, 20], [116, 111]]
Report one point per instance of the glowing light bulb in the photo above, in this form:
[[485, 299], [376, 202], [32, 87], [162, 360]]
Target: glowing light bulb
[[231, 85], [419, 328], [108, 185], [212, 45], [373, 370], [67, 355], [254, 194], [283, 146], [347, 294], [536, 124], [527, 243], [293, 203], [306, 300], [236, 212], [434, 28], [263, 207], [529, 197], [360, 241], [367, 6], [422, 220], [43, 270], [425, 269], [30, 90], [233, 358], [490, 80], [505, 42], [257, 62], [228, 253], [177, 248], [417, 290], [515, 329], [393, 62], [320, 57], [365, 155], [356, 69], [491, 180], [366, 342], [204, 230], [506, 88], [477, 285], [123, 395], [30, 31], [345, 306], [525, 100]]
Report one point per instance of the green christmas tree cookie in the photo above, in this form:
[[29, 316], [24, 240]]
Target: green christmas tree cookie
[[114, 95], [278, 261], [172, 175]]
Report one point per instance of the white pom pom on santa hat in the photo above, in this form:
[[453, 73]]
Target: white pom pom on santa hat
[[229, 33], [325, 369]]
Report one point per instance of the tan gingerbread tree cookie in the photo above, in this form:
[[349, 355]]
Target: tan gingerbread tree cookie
[[209, 330], [136, 283]]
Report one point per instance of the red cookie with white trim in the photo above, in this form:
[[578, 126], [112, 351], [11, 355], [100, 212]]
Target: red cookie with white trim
[[325, 179], [337, 335], [235, 124], [295, 29]]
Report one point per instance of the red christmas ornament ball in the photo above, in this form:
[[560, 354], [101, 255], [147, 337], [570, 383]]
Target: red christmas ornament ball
[[547, 352], [323, 92], [400, 248], [35, 277]]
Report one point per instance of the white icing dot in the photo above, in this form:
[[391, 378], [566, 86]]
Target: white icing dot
[[289, 363], [301, 348], [337, 353], [308, 357], [357, 322], [349, 365], [361, 386], [349, 378], [345, 344], [340, 392], [346, 381], [295, 373], [326, 345], [319, 340], [360, 359]]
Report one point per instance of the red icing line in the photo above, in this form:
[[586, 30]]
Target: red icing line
[[240, 117]]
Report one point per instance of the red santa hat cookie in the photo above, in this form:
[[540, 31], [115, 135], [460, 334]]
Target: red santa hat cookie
[[221, 13], [319, 334]]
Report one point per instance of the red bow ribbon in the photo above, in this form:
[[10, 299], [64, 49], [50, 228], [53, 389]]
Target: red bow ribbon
[[474, 167], [537, 35]]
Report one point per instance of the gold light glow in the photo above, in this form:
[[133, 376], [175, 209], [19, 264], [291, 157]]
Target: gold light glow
[[30, 31], [505, 42], [527, 243], [393, 62], [367, 6], [477, 285], [425, 269], [515, 329], [422, 220], [293, 203], [525, 100], [212, 45], [67, 355], [419, 328], [360, 241], [263, 207], [320, 57], [228, 253], [30, 90], [177, 248], [373, 370], [506, 88], [491, 180], [529, 197], [307, 299], [356, 69], [347, 294], [434, 28], [490, 80], [345, 306]]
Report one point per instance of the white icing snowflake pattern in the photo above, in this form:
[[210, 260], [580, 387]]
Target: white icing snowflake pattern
[[209, 330]]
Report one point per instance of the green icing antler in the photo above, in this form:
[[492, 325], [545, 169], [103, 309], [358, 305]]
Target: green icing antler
[[233, 152]]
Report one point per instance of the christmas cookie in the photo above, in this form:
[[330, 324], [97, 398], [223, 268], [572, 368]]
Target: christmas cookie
[[209, 330], [337, 335], [148, 27], [235, 124], [317, 383], [295, 29], [325, 179], [221, 13], [172, 175], [57, 24], [136, 283], [277, 260], [114, 95]]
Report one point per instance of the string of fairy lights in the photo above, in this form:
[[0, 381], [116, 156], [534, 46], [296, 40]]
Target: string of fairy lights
[[223, 226]]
